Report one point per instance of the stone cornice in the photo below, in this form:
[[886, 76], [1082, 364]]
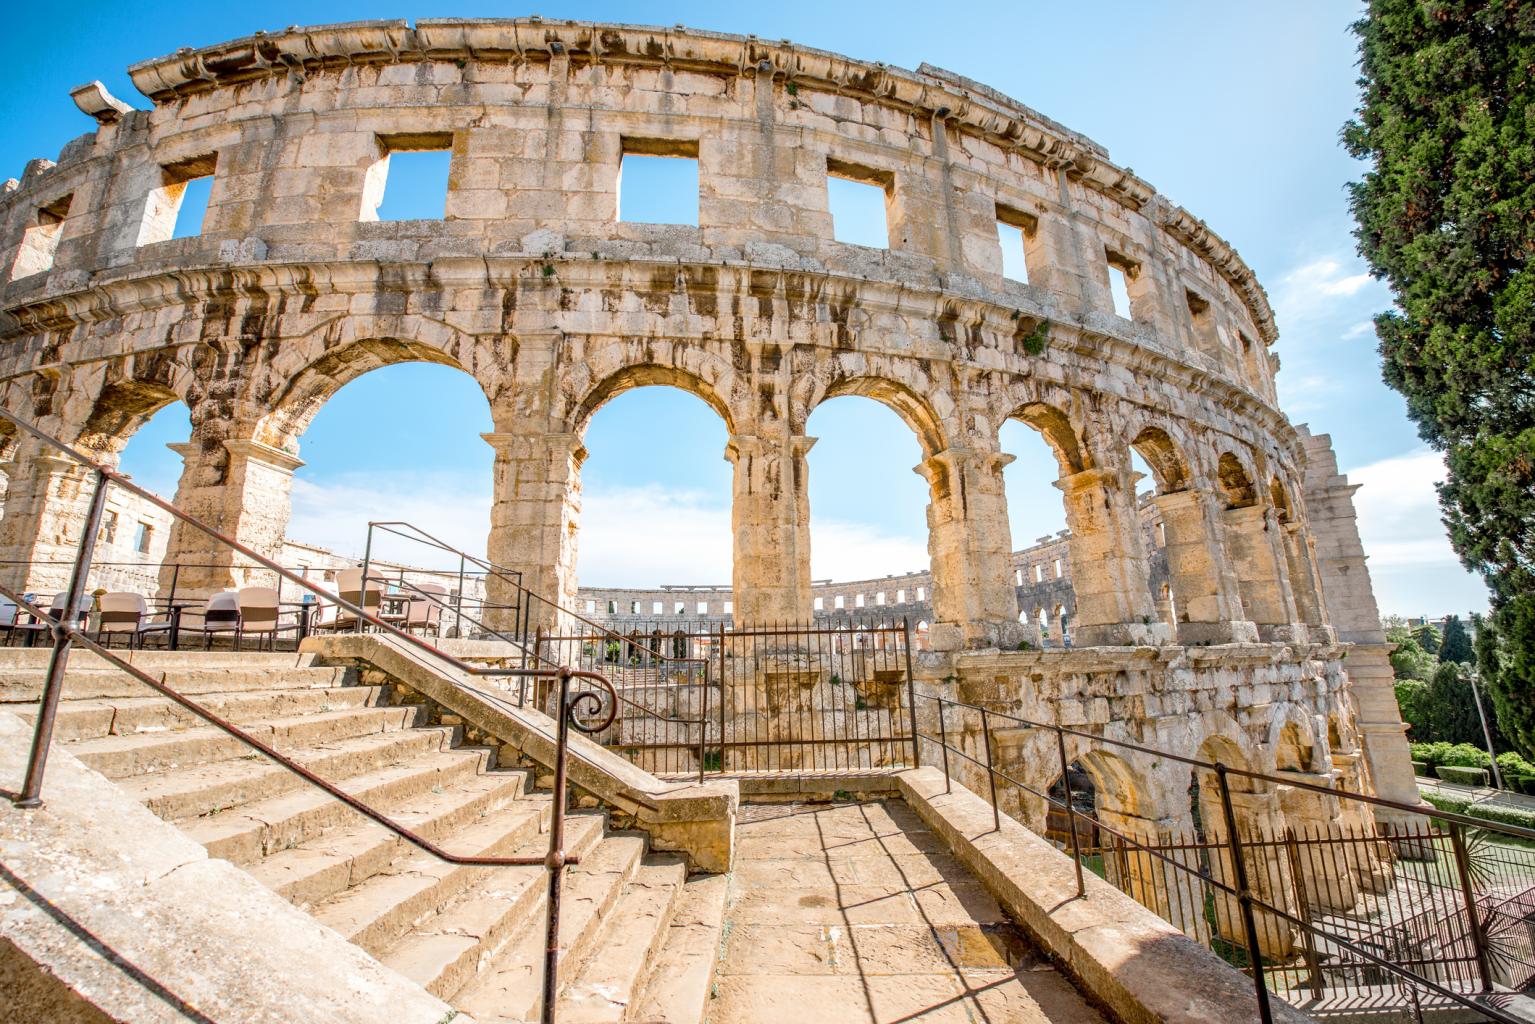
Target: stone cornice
[[133, 292], [930, 92]]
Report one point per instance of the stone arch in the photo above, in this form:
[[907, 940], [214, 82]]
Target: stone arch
[[294, 404], [1166, 460], [119, 410], [1292, 744], [628, 378], [1236, 481], [916, 411], [1055, 426]]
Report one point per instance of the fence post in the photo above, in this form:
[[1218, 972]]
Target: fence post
[[943, 741], [362, 598], [1468, 893], [58, 661], [724, 697], [991, 774], [911, 693], [554, 862], [1071, 812], [1303, 905], [1244, 895]]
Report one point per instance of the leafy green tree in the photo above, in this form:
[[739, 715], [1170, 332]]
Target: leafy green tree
[[1457, 642], [1409, 660], [1452, 713], [1447, 122], [1412, 697]]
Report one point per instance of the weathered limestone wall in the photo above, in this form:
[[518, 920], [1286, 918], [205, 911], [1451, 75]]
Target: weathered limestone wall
[[533, 285]]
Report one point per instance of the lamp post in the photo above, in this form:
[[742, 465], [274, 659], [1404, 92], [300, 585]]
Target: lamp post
[[1476, 694]]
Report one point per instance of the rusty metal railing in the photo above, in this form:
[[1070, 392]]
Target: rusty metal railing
[[66, 632]]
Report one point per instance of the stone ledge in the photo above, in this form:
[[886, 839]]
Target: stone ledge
[[694, 819], [1141, 968], [102, 902]]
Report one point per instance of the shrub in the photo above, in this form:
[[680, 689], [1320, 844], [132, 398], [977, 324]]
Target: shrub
[[1431, 754], [1421, 768], [1464, 776], [1502, 815], [1464, 755]]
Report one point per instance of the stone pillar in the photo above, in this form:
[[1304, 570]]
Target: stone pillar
[[1350, 603], [45, 505], [1326, 875], [1300, 560], [1151, 881], [241, 488], [1259, 823], [1252, 541], [1372, 871], [1209, 600], [534, 516], [974, 603], [1108, 563], [770, 526]]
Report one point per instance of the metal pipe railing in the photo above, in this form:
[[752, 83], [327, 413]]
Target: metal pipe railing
[[1248, 899], [66, 632]]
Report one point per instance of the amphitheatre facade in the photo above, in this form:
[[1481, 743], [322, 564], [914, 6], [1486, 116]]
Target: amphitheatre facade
[[1262, 649]]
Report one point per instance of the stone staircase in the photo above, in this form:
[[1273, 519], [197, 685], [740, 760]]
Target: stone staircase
[[639, 939]]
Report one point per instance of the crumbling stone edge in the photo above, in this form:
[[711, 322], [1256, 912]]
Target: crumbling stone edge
[[1138, 967]]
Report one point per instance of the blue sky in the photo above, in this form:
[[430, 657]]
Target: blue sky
[[1230, 109]]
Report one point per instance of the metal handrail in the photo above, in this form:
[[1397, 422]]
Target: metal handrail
[[1247, 898], [513, 578], [65, 633]]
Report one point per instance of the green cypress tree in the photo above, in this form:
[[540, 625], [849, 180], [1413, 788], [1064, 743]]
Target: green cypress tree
[[1456, 645], [1444, 214]]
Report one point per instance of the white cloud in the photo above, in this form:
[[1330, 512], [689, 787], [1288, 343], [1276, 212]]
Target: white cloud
[[1413, 567], [1316, 289], [335, 513], [1359, 330]]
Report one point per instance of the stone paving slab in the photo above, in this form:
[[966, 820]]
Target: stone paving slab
[[850, 912]]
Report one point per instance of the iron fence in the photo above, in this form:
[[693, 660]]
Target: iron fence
[[1439, 914]]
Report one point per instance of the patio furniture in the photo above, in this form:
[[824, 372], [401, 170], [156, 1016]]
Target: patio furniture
[[260, 611], [123, 614]]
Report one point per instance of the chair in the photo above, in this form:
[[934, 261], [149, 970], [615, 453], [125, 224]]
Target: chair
[[259, 612], [220, 615], [54, 612], [122, 614], [349, 587], [424, 610], [8, 613]]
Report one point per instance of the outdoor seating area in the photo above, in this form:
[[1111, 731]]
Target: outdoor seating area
[[253, 617]]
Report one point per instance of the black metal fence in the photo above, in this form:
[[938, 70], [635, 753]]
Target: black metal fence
[[781, 697], [1437, 915]]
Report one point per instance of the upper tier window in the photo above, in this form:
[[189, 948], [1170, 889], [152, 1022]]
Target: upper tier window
[[658, 181]]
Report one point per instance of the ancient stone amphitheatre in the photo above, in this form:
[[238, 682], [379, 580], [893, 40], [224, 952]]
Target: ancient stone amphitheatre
[[787, 818]]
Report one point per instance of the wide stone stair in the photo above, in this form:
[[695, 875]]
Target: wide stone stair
[[639, 938]]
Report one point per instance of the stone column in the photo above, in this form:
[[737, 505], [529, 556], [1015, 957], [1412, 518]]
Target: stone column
[[1327, 877], [241, 488], [534, 516], [1108, 563], [1350, 603], [1209, 600], [1300, 560], [1252, 541], [45, 505], [1151, 881], [1259, 822], [974, 602], [770, 525]]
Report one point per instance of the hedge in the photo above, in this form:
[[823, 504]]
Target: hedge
[[1421, 768], [1503, 815], [1462, 775]]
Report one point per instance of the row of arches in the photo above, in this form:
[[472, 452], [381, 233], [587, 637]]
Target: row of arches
[[1228, 568]]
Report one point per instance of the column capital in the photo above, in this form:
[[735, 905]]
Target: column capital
[[1087, 478], [752, 444], [524, 446], [1176, 501], [256, 451], [956, 457]]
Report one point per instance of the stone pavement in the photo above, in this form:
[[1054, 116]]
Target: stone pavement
[[850, 912]]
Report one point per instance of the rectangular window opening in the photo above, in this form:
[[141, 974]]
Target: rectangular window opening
[[658, 182], [655, 607], [730, 606], [109, 527], [141, 541], [40, 241], [1207, 337], [634, 607], [921, 593], [409, 180], [179, 206], [703, 608], [1121, 270], [820, 604], [1015, 232], [859, 200], [838, 602]]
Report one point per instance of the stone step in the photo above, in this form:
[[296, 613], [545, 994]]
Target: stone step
[[606, 988], [384, 907], [444, 952], [212, 788], [127, 716], [510, 987], [26, 685], [438, 789], [681, 974], [120, 757]]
